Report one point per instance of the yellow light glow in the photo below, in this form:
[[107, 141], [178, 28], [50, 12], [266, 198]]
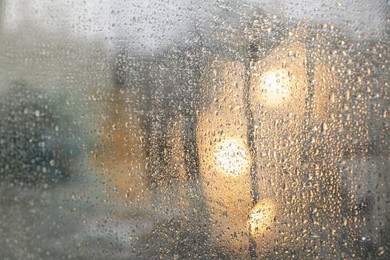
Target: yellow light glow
[[261, 217], [232, 157], [275, 86]]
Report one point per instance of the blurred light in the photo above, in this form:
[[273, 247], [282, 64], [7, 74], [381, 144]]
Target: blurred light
[[261, 217], [232, 157], [275, 86], [280, 79], [224, 156]]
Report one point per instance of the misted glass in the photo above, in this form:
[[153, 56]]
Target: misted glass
[[194, 129]]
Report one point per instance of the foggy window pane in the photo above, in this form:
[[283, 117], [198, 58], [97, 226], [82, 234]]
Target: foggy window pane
[[187, 129]]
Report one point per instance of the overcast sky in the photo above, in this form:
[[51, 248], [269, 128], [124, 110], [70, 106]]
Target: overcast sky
[[150, 24]]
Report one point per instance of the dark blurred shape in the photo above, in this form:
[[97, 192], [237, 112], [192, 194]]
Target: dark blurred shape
[[34, 145]]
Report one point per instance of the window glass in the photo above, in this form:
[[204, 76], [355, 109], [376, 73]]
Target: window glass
[[194, 129]]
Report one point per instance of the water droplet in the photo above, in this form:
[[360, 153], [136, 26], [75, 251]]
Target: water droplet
[[347, 95], [37, 113], [345, 221], [332, 97], [381, 251], [314, 235], [324, 127]]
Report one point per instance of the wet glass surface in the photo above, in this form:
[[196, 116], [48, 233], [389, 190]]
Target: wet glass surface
[[194, 129]]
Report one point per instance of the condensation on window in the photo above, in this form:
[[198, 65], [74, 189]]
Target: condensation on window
[[188, 129]]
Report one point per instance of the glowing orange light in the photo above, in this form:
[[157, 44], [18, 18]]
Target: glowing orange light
[[261, 217], [275, 86], [232, 157]]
